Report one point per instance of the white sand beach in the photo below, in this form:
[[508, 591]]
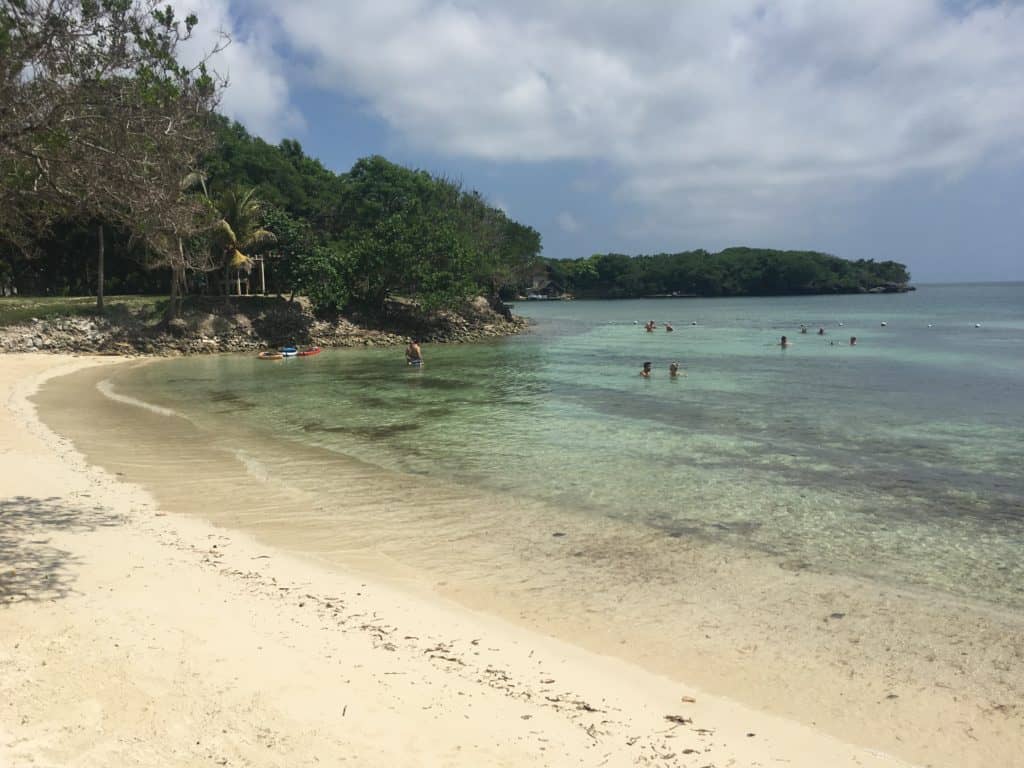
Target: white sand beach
[[131, 636]]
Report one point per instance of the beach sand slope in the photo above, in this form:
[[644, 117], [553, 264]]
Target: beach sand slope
[[129, 637]]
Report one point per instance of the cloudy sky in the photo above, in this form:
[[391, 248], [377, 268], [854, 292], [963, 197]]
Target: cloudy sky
[[887, 129]]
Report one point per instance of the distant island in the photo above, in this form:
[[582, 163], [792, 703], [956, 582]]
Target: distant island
[[731, 272]]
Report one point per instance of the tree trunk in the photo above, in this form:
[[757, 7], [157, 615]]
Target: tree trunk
[[226, 283], [99, 271], [177, 285]]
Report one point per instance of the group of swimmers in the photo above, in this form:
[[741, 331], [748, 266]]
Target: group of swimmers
[[785, 342], [673, 370], [651, 325]]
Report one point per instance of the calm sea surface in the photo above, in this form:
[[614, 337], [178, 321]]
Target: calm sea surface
[[900, 459]]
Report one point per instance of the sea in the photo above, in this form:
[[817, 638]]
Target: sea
[[541, 476]]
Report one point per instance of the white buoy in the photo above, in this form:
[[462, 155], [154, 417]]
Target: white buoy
[[840, 325], [977, 325], [930, 325]]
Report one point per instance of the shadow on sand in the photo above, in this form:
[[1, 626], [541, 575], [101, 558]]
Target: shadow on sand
[[31, 569]]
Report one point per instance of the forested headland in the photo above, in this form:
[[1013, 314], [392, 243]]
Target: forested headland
[[731, 272]]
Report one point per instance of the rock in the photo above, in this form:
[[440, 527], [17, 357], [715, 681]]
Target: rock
[[177, 327], [252, 323]]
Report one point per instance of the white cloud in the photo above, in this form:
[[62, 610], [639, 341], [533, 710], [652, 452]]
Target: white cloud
[[257, 92], [730, 109], [567, 222]]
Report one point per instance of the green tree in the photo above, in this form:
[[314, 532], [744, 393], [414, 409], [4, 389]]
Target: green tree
[[240, 233], [98, 119]]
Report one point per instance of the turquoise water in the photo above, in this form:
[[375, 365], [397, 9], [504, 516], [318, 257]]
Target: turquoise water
[[899, 459]]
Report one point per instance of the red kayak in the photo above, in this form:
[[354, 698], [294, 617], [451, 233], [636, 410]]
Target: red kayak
[[309, 352]]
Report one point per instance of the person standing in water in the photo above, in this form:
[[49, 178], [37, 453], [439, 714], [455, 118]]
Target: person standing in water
[[646, 371], [669, 328], [784, 342], [853, 341], [673, 370], [413, 353]]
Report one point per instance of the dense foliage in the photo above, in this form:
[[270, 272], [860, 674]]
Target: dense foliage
[[379, 230], [351, 239], [732, 272], [99, 122]]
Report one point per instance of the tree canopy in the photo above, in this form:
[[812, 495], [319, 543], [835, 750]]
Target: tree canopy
[[732, 272], [98, 118], [376, 231]]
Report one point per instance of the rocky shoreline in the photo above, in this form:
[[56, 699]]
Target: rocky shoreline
[[254, 323]]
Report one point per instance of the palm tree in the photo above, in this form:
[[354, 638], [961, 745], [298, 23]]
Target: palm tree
[[239, 233]]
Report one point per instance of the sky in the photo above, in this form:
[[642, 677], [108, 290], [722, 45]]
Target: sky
[[885, 129]]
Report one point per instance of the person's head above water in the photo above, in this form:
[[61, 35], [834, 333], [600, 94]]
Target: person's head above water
[[673, 368], [853, 340], [646, 369]]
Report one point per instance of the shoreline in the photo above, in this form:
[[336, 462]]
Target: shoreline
[[246, 324], [111, 659]]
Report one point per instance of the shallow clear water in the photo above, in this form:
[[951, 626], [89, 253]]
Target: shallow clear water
[[899, 459]]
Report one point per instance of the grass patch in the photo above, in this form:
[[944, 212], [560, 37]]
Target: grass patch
[[21, 309]]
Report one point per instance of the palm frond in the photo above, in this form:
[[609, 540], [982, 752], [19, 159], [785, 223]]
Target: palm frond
[[239, 259], [223, 233], [193, 180], [259, 240]]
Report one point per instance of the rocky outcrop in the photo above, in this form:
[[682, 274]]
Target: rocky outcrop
[[248, 324], [892, 288]]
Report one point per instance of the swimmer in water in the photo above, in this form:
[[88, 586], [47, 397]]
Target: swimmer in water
[[646, 371], [784, 342], [673, 370], [669, 328], [803, 329], [413, 353], [853, 341], [821, 331]]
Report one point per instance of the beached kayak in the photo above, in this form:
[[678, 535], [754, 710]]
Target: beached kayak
[[270, 355], [309, 352]]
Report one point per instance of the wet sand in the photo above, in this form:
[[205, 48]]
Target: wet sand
[[393, 604]]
